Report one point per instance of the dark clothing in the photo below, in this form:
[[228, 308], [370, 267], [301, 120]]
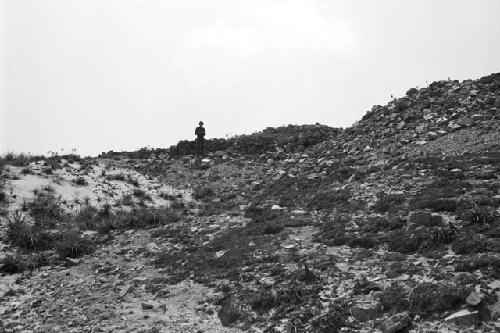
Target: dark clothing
[[200, 146], [200, 140], [200, 131]]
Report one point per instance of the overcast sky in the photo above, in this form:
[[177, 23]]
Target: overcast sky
[[97, 75]]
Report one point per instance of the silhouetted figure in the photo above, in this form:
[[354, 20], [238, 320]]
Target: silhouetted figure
[[200, 139]]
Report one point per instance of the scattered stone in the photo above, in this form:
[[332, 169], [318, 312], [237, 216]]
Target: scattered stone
[[474, 298], [366, 312], [125, 290], [72, 261], [464, 318], [494, 285], [395, 323]]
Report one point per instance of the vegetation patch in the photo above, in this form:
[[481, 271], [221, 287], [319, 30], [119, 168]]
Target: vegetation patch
[[204, 193], [394, 298], [388, 203], [430, 298], [329, 200], [80, 181]]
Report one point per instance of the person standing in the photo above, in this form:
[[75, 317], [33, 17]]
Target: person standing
[[200, 139]]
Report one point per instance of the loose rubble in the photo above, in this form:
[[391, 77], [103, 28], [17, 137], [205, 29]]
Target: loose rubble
[[390, 225]]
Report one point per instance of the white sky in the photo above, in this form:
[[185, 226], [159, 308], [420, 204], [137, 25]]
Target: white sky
[[98, 75]]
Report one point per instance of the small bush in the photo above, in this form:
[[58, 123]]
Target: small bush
[[27, 171], [394, 298], [24, 235], [141, 194], [45, 206], [260, 214], [485, 262], [389, 202], [439, 205], [331, 322], [144, 217], [282, 296], [126, 200], [328, 200], [13, 264], [16, 263], [469, 243], [203, 193], [80, 181], [119, 177], [133, 181], [72, 245], [270, 228], [480, 215], [334, 232], [403, 242], [229, 313], [363, 241]]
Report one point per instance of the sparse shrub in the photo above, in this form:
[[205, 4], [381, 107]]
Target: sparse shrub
[[22, 234], [403, 242], [487, 263], [80, 181], [71, 244], [272, 227], [133, 181], [13, 264], [334, 232], [388, 202], [203, 193], [439, 205], [469, 243], [167, 196], [429, 298], [20, 160], [91, 218], [118, 176], [329, 200], [331, 322], [394, 298], [375, 224], [27, 171], [229, 312], [141, 194], [366, 241], [45, 208], [433, 195], [144, 217], [283, 296], [479, 215], [260, 214], [17, 263]]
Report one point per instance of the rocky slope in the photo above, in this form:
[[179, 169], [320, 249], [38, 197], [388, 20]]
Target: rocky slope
[[390, 225]]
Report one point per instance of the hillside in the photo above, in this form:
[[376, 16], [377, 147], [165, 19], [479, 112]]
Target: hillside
[[390, 225]]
